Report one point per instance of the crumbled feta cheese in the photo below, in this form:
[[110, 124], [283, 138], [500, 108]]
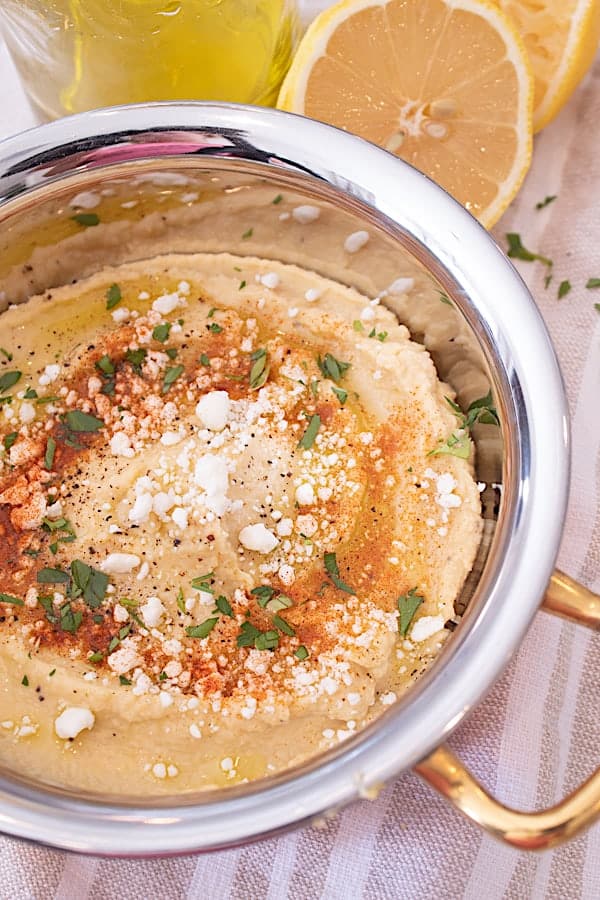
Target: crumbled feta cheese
[[258, 537], [367, 314], [306, 214], [27, 412], [388, 698], [166, 303], [159, 770], [120, 314], [214, 409], [426, 626], [72, 721], [85, 200], [120, 445], [270, 280], [312, 294], [119, 563], [51, 373], [401, 285], [305, 495], [152, 612], [355, 241]]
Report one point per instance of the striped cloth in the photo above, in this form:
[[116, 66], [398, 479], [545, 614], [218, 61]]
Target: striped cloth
[[537, 734]]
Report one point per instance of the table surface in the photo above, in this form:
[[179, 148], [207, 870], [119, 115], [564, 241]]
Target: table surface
[[535, 737]]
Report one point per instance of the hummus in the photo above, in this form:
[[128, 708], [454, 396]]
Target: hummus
[[229, 537]]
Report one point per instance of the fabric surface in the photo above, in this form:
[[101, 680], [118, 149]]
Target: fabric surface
[[537, 734]]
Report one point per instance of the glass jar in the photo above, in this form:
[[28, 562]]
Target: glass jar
[[74, 55]]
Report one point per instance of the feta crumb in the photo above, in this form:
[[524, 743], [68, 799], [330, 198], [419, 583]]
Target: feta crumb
[[367, 314], [166, 303], [120, 445], [270, 280], [152, 612], [119, 563], [355, 241], [143, 295], [165, 699], [426, 626], [159, 770], [258, 537], [51, 373], [388, 698], [27, 413], [121, 314], [227, 764], [85, 200], [401, 285], [306, 214], [305, 495], [214, 409], [180, 517], [312, 294], [72, 721]]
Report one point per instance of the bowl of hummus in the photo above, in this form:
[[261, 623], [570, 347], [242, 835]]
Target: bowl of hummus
[[274, 467]]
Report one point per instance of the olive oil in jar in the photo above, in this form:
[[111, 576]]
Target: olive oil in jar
[[75, 55]]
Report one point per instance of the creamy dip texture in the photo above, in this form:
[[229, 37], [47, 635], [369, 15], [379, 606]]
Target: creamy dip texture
[[226, 543]]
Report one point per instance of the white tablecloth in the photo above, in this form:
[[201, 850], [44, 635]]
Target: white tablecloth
[[536, 736]]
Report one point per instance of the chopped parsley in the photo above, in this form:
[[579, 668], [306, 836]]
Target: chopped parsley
[[276, 604], [181, 601], [52, 576], [203, 630], [49, 454], [408, 604], [136, 358], [283, 626], [546, 201], [357, 325], [82, 422], [331, 367], [224, 606], [242, 285], [331, 567], [171, 376], [597, 307], [8, 380], [263, 594], [444, 298], [106, 365], [124, 680], [30, 394], [6, 354], [69, 620], [308, 438], [563, 289], [8, 598], [161, 332], [96, 657], [215, 328], [260, 368], [248, 234], [277, 199], [25, 681], [113, 296], [202, 582], [86, 219], [516, 250], [89, 582], [459, 442], [205, 360], [248, 635], [301, 653], [9, 439], [547, 281], [593, 283], [267, 640], [341, 394]]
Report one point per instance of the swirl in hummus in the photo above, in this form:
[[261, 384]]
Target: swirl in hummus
[[226, 544]]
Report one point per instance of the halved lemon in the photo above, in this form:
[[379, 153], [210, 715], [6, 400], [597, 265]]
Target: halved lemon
[[561, 37], [444, 84]]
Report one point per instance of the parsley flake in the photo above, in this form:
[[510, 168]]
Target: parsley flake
[[203, 630], [408, 604], [171, 375], [9, 439], [205, 360], [341, 394], [248, 234], [277, 199], [308, 438], [86, 219], [546, 201], [516, 250], [82, 422], [283, 626], [301, 653], [331, 367], [563, 289], [6, 353], [224, 606], [215, 328], [113, 296], [161, 332], [25, 681], [331, 567], [263, 594], [593, 283], [260, 369], [52, 576], [8, 380], [8, 598], [136, 358], [49, 454]]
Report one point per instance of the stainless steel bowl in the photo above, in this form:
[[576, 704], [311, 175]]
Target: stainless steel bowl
[[470, 308]]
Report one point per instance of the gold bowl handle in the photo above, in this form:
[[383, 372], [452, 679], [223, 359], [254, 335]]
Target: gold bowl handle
[[536, 830]]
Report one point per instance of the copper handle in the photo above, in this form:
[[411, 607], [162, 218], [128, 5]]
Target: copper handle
[[536, 830]]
